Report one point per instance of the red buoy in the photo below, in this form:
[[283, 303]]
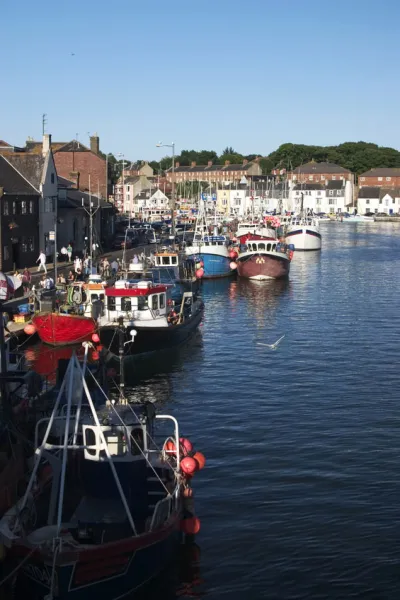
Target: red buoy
[[95, 338], [189, 465], [170, 447], [200, 273], [186, 445], [29, 329], [233, 254], [201, 459], [95, 355], [190, 526]]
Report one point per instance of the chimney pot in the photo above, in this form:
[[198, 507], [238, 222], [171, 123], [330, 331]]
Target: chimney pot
[[95, 144], [46, 144], [177, 165], [245, 161], [193, 164], [227, 162], [209, 164]]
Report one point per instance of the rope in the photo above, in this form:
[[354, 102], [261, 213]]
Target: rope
[[7, 577]]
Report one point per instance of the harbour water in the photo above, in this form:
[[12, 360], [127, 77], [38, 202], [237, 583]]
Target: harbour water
[[300, 494]]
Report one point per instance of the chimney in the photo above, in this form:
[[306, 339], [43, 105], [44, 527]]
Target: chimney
[[245, 161], [95, 143], [209, 164], [257, 160], [193, 163], [46, 144], [227, 162], [176, 165], [74, 176]]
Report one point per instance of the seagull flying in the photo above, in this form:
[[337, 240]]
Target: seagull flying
[[271, 346]]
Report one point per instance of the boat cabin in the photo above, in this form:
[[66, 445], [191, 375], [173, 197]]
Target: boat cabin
[[211, 240], [260, 246], [165, 259], [136, 300]]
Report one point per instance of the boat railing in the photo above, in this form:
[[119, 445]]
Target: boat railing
[[161, 512]]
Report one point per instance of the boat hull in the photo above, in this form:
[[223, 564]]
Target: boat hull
[[216, 262], [263, 265], [304, 238], [108, 572], [58, 329], [149, 339]]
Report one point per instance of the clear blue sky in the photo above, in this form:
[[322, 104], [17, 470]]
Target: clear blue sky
[[251, 74]]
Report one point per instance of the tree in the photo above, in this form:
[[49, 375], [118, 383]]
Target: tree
[[228, 150], [233, 158]]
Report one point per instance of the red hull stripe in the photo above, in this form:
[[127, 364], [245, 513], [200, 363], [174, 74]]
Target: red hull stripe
[[55, 328], [135, 291]]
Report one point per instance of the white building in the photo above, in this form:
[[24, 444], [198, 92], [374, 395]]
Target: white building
[[378, 200], [334, 197]]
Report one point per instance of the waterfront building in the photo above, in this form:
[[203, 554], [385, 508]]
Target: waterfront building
[[19, 219], [334, 197], [380, 177], [127, 189], [378, 200], [219, 174], [38, 169], [319, 172]]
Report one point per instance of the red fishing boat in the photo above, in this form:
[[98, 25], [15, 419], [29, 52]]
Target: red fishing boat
[[264, 259], [61, 329]]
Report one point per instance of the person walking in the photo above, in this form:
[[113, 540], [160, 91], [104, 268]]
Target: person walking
[[42, 262], [69, 252]]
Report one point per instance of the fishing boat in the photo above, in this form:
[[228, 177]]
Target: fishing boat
[[210, 250], [76, 319], [262, 259], [144, 313], [113, 511], [302, 230]]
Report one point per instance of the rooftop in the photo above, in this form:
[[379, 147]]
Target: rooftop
[[13, 182], [382, 172], [319, 168]]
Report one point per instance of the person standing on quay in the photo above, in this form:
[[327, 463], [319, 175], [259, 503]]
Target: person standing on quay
[[69, 252], [42, 262]]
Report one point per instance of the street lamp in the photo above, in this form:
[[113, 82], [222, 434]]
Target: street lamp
[[172, 146], [123, 186]]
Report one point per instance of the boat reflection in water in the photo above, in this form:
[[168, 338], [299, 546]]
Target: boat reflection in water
[[182, 580], [262, 298]]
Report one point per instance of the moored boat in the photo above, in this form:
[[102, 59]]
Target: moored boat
[[76, 320], [143, 313], [263, 259], [255, 229], [112, 512], [303, 232]]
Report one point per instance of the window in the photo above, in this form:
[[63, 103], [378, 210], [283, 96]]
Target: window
[[126, 304], [333, 177], [111, 303], [31, 207], [24, 208], [154, 302], [319, 193], [128, 188], [52, 178], [5, 207], [362, 178], [380, 200], [162, 300], [310, 177], [330, 192], [388, 178], [24, 245], [393, 200], [142, 303], [6, 253], [367, 201], [30, 241], [14, 208], [380, 178]]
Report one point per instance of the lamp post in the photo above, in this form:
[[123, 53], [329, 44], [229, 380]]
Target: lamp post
[[172, 146], [91, 212], [123, 186]]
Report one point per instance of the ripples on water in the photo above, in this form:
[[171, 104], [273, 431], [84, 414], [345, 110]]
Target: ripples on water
[[300, 494]]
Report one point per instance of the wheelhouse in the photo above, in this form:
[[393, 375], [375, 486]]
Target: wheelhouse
[[261, 246], [165, 259], [138, 300]]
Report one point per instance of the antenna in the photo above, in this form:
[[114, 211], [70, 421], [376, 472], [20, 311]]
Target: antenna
[[44, 123]]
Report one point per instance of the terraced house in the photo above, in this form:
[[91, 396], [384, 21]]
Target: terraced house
[[224, 174]]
